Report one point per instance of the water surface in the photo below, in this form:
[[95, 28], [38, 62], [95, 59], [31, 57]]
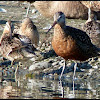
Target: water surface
[[47, 86]]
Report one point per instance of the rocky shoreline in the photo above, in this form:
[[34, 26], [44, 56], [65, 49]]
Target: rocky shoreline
[[50, 64]]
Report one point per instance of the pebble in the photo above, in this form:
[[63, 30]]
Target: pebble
[[95, 67], [3, 10], [40, 65], [99, 59], [56, 61], [34, 11], [90, 71]]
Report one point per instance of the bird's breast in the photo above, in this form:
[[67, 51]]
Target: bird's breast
[[63, 45], [66, 46]]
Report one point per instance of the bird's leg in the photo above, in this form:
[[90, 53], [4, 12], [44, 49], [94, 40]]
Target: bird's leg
[[73, 87], [63, 69], [74, 76], [16, 71], [74, 70], [61, 88], [89, 13], [12, 62], [28, 10]]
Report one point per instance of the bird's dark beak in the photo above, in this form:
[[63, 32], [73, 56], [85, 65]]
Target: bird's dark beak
[[11, 31], [10, 35], [52, 26]]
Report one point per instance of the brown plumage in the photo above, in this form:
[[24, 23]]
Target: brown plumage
[[92, 28], [15, 47], [71, 43], [71, 9], [29, 29], [94, 5]]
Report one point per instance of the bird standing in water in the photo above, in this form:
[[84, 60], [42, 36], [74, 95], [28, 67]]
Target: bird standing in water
[[71, 43], [29, 4], [15, 47], [30, 30], [94, 5], [92, 27]]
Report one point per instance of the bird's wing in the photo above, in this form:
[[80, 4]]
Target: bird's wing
[[78, 35], [8, 45], [26, 42], [83, 41]]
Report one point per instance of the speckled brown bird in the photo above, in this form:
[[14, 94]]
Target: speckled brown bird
[[15, 47], [71, 43], [94, 5], [92, 27], [30, 30]]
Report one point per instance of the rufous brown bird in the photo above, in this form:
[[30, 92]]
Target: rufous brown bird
[[71, 43]]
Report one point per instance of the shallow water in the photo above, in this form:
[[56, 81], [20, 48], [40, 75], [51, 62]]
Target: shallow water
[[46, 86]]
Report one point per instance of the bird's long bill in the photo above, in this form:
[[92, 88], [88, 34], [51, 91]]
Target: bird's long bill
[[11, 33], [52, 26]]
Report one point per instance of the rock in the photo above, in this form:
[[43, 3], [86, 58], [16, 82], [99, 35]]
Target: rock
[[40, 65], [3, 10], [54, 63], [95, 67], [61, 63], [34, 11], [90, 71]]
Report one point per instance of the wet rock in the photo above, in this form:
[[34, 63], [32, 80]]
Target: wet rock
[[95, 67], [85, 66], [40, 65], [3, 21], [48, 54], [55, 63], [51, 63], [90, 71], [3, 10], [7, 63], [34, 11]]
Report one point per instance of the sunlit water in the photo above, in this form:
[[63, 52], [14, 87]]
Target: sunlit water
[[44, 87]]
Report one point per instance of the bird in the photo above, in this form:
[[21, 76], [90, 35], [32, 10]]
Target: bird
[[71, 43], [72, 9], [29, 4], [28, 29], [15, 47], [94, 5], [92, 27]]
